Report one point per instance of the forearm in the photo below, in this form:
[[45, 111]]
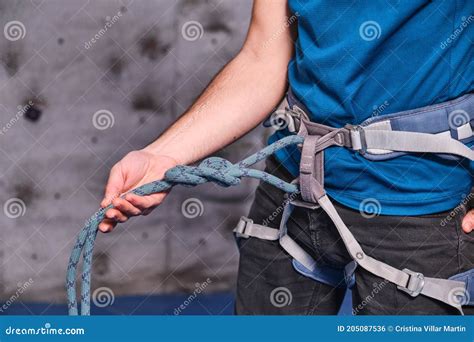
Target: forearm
[[236, 101]]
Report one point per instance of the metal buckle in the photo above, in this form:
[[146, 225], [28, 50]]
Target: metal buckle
[[241, 227], [304, 204], [357, 133], [415, 283], [298, 115], [301, 203]]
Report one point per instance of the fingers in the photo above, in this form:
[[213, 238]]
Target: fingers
[[468, 222], [131, 205], [106, 226], [112, 217], [114, 186], [145, 203], [116, 215], [125, 207]]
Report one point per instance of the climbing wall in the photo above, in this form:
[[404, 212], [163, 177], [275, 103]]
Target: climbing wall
[[81, 84]]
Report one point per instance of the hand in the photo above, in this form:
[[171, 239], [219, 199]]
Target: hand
[[468, 221], [135, 169]]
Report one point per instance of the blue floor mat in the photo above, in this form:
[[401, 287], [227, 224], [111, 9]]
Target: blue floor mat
[[178, 304]]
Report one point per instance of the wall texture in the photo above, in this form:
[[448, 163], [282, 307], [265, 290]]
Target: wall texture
[[138, 65]]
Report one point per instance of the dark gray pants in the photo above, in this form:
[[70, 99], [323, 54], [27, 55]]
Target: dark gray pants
[[268, 284]]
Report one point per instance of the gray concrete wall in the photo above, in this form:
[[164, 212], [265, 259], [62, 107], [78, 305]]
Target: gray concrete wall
[[55, 161]]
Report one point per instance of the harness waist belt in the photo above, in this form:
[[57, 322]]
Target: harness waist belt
[[377, 138], [443, 129]]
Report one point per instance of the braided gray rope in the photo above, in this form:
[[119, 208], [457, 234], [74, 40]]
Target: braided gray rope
[[213, 169]]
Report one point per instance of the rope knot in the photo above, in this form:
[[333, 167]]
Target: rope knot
[[214, 169]]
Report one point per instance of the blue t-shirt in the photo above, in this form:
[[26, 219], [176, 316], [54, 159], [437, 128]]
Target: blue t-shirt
[[357, 59]]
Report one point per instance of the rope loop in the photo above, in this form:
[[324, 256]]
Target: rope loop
[[213, 169]]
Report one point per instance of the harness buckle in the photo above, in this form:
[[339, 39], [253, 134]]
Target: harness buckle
[[304, 204], [294, 116], [298, 202], [242, 226], [415, 283], [358, 142]]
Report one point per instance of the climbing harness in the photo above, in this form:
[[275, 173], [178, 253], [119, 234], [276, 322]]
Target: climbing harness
[[379, 138], [441, 129]]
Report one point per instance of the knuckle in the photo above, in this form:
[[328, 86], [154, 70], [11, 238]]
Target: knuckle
[[115, 168]]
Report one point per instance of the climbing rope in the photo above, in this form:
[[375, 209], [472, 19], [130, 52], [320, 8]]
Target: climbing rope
[[212, 169]]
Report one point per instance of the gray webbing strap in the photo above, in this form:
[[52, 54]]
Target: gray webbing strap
[[404, 141], [311, 169], [311, 177], [290, 245], [311, 189], [246, 228], [408, 281]]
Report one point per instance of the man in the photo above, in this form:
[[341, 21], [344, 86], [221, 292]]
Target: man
[[345, 61]]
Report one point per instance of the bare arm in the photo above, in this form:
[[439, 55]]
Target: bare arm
[[241, 95], [237, 100]]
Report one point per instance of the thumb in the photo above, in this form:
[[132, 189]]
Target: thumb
[[114, 186], [468, 222]]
